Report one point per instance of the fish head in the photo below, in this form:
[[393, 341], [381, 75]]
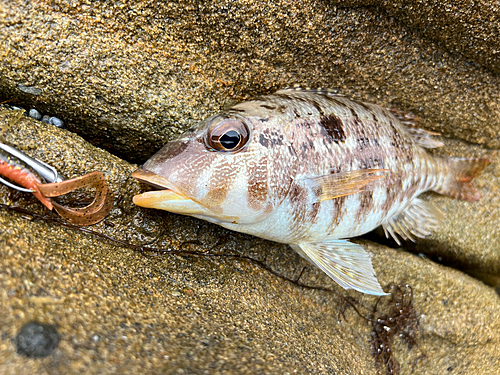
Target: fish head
[[230, 168]]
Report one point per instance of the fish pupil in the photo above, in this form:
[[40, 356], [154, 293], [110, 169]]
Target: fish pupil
[[230, 140]]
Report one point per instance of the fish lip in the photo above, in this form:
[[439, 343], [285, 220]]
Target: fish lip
[[168, 198], [156, 181]]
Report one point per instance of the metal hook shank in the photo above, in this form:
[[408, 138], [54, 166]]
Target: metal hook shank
[[47, 172]]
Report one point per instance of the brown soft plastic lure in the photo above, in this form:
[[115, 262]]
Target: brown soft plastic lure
[[88, 215]]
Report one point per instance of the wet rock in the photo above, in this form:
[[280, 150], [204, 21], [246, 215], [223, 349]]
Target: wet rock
[[129, 78], [463, 27], [35, 114]]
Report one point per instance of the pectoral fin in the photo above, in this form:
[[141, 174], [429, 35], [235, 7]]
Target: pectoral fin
[[344, 183], [345, 262]]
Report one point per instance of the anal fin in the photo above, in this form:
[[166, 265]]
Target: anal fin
[[420, 219], [347, 263]]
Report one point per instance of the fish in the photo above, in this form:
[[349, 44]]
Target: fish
[[312, 169]]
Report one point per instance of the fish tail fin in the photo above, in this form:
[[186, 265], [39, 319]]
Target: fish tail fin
[[457, 183]]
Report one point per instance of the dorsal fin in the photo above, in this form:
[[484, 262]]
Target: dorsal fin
[[318, 90], [412, 124]]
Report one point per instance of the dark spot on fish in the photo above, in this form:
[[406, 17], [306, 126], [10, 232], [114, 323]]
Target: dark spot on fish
[[238, 110], [257, 186], [267, 106], [363, 142], [353, 113], [371, 162], [282, 108], [334, 128], [277, 140], [336, 169], [297, 114], [297, 193], [317, 106], [394, 188], [264, 141]]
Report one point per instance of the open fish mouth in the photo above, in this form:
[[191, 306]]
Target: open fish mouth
[[169, 198]]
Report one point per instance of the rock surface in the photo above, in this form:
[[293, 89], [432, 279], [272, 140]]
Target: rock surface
[[128, 78]]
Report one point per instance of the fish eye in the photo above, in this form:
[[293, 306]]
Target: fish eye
[[229, 135]]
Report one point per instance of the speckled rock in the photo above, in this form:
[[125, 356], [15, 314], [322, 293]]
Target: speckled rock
[[466, 27], [119, 311], [130, 77]]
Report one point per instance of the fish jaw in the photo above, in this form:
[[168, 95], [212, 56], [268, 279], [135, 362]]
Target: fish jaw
[[168, 199]]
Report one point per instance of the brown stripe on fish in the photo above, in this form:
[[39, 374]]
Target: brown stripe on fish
[[257, 185], [366, 204], [334, 128], [402, 146], [334, 100], [298, 199], [367, 109], [338, 212], [317, 106], [393, 190], [312, 214], [303, 213], [220, 183]]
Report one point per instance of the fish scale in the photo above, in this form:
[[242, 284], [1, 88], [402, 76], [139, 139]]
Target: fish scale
[[312, 169]]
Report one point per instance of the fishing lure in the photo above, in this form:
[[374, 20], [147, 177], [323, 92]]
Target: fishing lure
[[13, 166]]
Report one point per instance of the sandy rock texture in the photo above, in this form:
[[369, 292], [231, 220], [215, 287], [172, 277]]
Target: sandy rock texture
[[126, 78]]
